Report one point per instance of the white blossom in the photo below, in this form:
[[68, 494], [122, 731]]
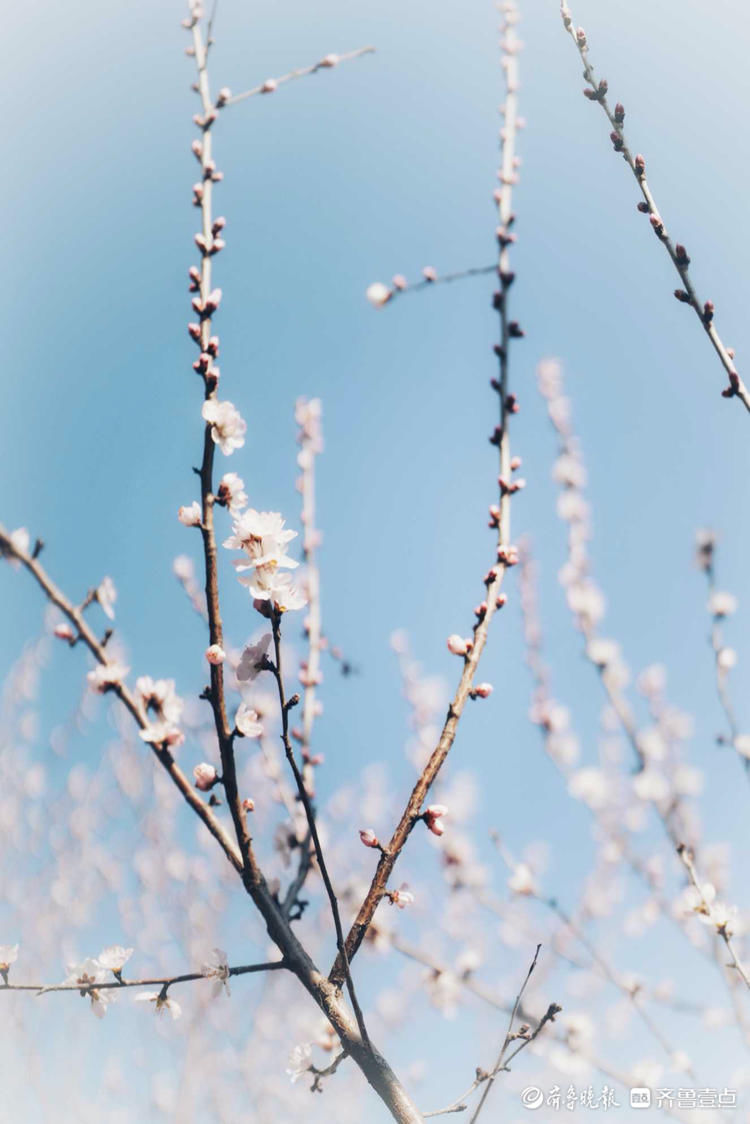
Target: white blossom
[[378, 294], [106, 595], [217, 968], [251, 660], [191, 515], [261, 535], [107, 675], [114, 957], [299, 1062], [722, 604], [227, 427], [231, 491], [162, 1003], [246, 721]]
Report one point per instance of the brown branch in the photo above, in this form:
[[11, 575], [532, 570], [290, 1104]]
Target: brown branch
[[596, 91], [506, 555], [208, 349]]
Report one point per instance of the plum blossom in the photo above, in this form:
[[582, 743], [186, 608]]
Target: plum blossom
[[227, 426], [299, 1062], [106, 595], [401, 897], [246, 722], [722, 604], [190, 516], [159, 695], [217, 968], [267, 585], [378, 294], [162, 733], [262, 536], [433, 818], [114, 958], [86, 976], [105, 676], [231, 492], [215, 654], [20, 540], [162, 1003], [205, 776], [252, 659], [521, 880]]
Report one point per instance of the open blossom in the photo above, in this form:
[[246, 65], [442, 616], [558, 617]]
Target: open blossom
[[369, 838], [162, 733], [159, 695], [162, 1003], [267, 584], [261, 535], [215, 654], [433, 818], [114, 958], [227, 426], [217, 968], [246, 722], [106, 595], [401, 897], [231, 491], [105, 676], [252, 659], [86, 976], [299, 1062], [205, 776], [190, 516]]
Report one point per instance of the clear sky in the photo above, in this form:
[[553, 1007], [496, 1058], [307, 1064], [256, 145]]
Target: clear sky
[[382, 166]]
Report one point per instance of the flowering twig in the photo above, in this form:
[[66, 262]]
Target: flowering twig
[[163, 982], [716, 915], [469, 650], [271, 84], [379, 294], [596, 91], [720, 606], [86, 634]]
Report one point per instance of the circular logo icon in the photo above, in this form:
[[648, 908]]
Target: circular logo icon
[[532, 1097]]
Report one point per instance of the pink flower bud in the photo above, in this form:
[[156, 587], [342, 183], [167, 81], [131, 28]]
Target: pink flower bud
[[501, 600], [197, 149], [399, 282], [218, 224], [515, 464], [433, 818], [64, 632], [223, 96], [215, 654], [482, 691], [457, 645], [429, 273], [201, 242], [248, 805], [205, 777], [328, 61], [194, 330], [369, 838], [269, 86]]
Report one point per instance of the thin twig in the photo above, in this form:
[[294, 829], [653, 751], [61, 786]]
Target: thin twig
[[506, 554], [271, 84], [597, 92], [158, 981], [708, 909]]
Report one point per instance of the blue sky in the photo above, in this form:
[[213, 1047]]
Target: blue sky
[[384, 165]]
